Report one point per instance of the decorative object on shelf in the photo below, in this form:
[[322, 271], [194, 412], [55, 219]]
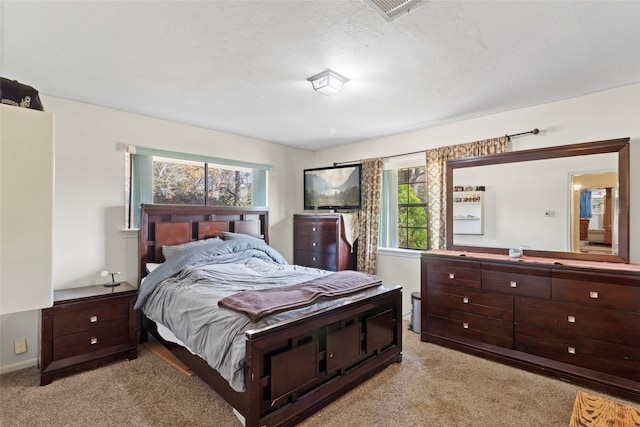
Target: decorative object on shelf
[[113, 283], [468, 209], [328, 82]]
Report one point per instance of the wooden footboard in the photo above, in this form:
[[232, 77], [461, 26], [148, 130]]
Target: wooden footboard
[[296, 367]]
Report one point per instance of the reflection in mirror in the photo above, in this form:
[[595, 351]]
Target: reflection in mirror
[[532, 199], [594, 213]]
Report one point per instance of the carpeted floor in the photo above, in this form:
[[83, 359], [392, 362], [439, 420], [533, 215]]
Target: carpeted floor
[[433, 386]]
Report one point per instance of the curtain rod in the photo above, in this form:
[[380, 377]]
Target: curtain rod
[[534, 132]]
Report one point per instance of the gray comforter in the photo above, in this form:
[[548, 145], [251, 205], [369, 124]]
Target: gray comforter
[[183, 293]]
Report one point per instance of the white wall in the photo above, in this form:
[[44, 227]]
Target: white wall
[[90, 187]]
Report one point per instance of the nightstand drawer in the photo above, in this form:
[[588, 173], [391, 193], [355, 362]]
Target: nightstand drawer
[[91, 318], [87, 341]]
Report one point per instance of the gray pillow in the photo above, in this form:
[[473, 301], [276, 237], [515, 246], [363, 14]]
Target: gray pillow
[[227, 235], [171, 251]]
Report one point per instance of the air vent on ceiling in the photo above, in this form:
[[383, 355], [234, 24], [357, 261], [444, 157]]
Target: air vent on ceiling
[[393, 9]]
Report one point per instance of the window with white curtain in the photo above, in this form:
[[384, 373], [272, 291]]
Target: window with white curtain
[[163, 177], [403, 218]]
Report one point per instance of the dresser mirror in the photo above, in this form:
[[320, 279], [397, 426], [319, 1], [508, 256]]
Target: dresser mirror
[[569, 202]]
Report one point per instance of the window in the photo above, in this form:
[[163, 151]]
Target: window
[[412, 208], [155, 176], [183, 182], [403, 219]]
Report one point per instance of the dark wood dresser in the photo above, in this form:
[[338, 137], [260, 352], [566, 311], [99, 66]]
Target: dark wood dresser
[[320, 241], [574, 320], [87, 327]]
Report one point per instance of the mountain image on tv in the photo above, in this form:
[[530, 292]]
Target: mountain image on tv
[[332, 188]]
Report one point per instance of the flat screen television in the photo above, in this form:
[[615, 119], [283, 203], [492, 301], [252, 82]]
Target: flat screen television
[[333, 187]]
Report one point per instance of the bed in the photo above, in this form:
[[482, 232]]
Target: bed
[[294, 363]]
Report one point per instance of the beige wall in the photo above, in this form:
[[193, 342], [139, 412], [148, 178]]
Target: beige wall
[[90, 188]]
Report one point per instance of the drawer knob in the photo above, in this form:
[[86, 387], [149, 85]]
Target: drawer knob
[[452, 276], [571, 350], [513, 284], [94, 340], [593, 295], [571, 319], [465, 300], [314, 244], [465, 325], [314, 259], [314, 229], [93, 319]]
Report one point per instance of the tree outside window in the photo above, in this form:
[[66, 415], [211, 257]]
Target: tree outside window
[[183, 182], [412, 208]]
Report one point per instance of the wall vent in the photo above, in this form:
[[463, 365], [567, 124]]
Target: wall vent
[[393, 9]]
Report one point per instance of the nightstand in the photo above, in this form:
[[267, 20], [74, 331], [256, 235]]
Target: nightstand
[[87, 327]]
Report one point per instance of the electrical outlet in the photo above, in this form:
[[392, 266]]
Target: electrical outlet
[[20, 346]]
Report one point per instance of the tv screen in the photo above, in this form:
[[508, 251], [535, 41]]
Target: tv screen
[[334, 187]]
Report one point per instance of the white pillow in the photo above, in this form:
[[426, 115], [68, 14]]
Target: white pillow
[[171, 251], [150, 266]]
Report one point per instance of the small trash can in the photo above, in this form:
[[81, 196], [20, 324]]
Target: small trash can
[[415, 312]]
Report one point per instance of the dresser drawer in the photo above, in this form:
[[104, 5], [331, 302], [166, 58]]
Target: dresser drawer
[[460, 273], [497, 306], [87, 341], [320, 242], [603, 356], [316, 227], [78, 320], [596, 290], [517, 280], [471, 326], [315, 259], [620, 327]]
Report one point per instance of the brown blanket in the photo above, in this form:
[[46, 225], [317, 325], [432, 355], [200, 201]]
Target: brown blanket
[[260, 303]]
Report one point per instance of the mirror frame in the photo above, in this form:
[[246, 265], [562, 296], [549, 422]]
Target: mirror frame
[[620, 146]]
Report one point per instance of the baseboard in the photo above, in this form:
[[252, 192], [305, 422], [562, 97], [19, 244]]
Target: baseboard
[[17, 366]]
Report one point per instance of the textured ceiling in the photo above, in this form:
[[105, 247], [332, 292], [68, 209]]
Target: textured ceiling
[[241, 66]]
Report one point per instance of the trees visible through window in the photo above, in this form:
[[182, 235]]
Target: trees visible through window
[[412, 208], [196, 183]]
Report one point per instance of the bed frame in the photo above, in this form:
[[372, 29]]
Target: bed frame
[[296, 367]]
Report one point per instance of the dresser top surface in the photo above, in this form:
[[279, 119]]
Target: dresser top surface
[[552, 262]]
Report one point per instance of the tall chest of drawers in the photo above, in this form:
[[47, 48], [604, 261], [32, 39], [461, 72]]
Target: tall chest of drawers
[[320, 242], [87, 327], [576, 323]]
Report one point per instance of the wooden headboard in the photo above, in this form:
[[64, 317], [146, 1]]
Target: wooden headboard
[[167, 225]]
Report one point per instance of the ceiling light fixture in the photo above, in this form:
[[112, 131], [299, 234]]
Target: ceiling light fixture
[[328, 82]]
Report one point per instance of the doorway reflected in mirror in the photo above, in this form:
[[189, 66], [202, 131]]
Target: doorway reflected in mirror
[[595, 217]]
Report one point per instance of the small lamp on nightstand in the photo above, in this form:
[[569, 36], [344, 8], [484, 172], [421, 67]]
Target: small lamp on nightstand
[[113, 283]]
